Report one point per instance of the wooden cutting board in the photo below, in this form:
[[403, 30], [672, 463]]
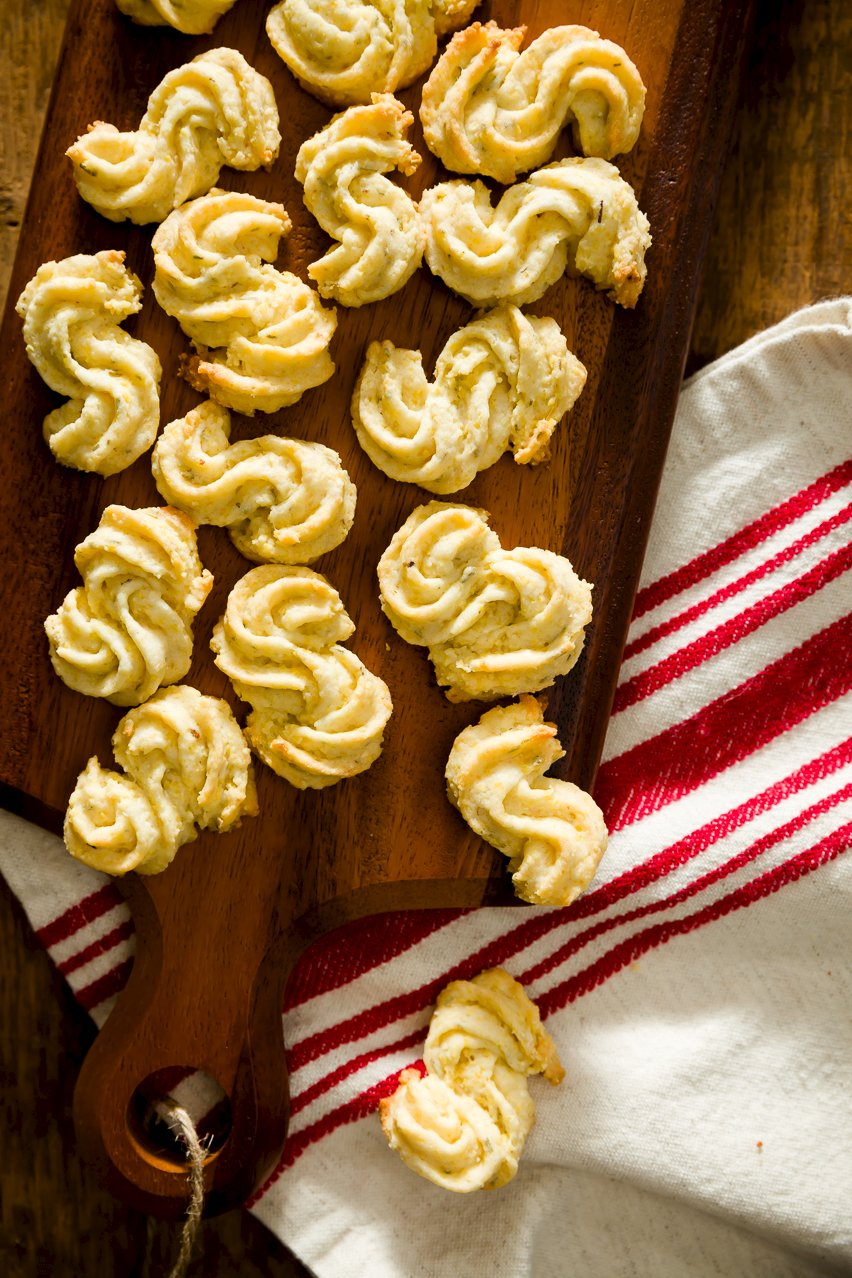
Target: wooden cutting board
[[219, 931]]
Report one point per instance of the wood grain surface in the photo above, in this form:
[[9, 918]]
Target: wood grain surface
[[767, 200]]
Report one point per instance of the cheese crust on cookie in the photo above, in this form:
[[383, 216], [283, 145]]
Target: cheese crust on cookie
[[185, 766], [376, 224], [496, 622], [72, 311], [489, 108], [192, 17], [262, 334], [342, 51], [318, 714], [502, 382], [213, 111], [127, 630], [284, 501], [552, 831], [463, 1124], [577, 215]]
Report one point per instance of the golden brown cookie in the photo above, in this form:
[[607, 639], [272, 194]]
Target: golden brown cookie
[[463, 1125], [212, 111], [502, 382], [577, 215], [376, 224], [284, 501], [262, 335], [552, 831], [192, 17], [318, 714], [496, 622], [127, 630], [489, 108], [185, 766], [72, 311], [341, 51]]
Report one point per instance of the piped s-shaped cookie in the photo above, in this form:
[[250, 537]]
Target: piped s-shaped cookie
[[72, 311], [341, 51], [185, 766], [128, 629], [214, 110], [262, 334], [496, 622], [284, 501], [376, 224], [575, 214], [318, 714], [488, 108], [463, 1124], [502, 382], [552, 831]]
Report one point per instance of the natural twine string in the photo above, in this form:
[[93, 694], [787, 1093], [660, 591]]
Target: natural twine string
[[183, 1128]]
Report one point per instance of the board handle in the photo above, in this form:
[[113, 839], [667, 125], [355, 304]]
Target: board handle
[[195, 999]]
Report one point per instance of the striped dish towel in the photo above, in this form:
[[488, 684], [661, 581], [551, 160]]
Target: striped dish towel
[[700, 992]]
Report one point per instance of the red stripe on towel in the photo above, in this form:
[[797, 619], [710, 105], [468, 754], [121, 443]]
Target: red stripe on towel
[[719, 872], [745, 539], [681, 619], [355, 948], [98, 947], [360, 1107], [756, 890], [693, 844], [732, 631], [89, 996], [667, 766], [85, 911], [580, 940], [539, 924], [325, 1084]]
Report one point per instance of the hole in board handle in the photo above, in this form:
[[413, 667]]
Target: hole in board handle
[[195, 1091]]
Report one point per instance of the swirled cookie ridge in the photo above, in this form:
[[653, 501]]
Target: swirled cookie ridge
[[495, 622], [376, 224], [318, 714], [282, 500], [212, 111], [262, 335], [463, 1124], [578, 214], [185, 766], [504, 381], [552, 831], [489, 108], [127, 630], [72, 312], [341, 51]]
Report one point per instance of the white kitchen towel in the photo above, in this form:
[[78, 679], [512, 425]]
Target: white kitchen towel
[[700, 992]]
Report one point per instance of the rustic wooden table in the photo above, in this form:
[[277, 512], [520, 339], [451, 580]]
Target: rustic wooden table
[[781, 240]]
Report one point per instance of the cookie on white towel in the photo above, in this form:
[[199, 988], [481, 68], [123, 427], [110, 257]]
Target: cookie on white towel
[[463, 1124]]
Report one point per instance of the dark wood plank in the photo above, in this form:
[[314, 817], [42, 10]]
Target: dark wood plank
[[311, 859], [782, 236]]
